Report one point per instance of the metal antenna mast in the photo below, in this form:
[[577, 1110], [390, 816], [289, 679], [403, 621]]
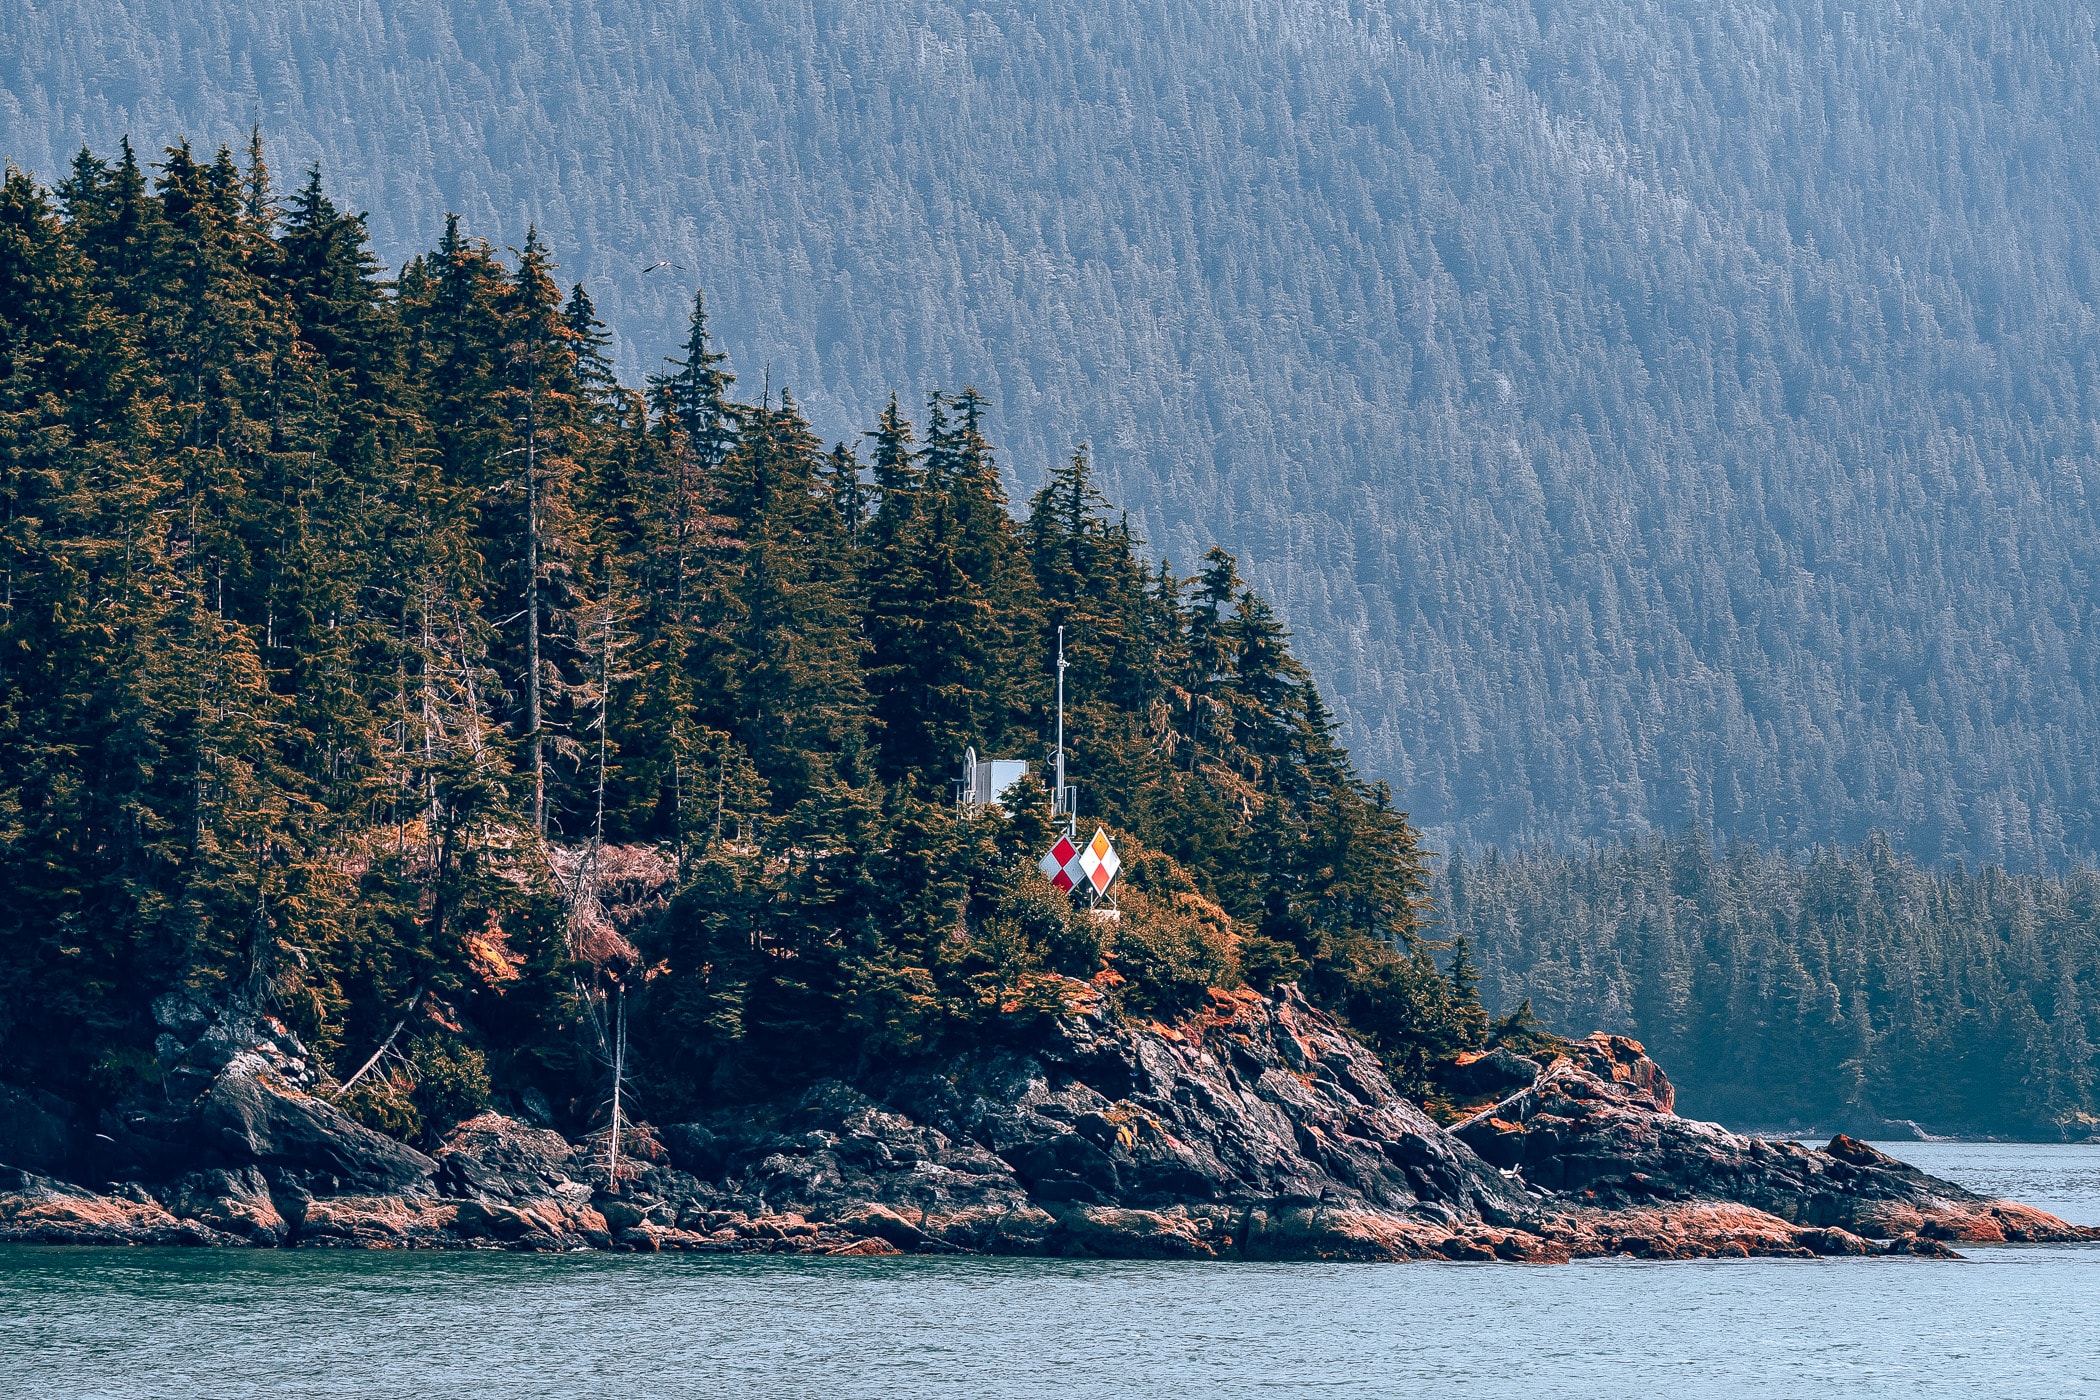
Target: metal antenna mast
[[1063, 801], [1069, 866]]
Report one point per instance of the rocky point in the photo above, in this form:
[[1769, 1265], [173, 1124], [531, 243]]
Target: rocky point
[[1257, 1130]]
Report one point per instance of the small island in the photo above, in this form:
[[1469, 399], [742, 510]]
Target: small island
[[451, 799]]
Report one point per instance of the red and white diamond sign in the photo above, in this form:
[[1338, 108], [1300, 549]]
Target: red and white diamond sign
[[1061, 867], [1099, 861]]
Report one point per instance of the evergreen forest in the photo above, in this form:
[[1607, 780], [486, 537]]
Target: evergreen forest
[[1843, 988], [372, 657], [1646, 416]]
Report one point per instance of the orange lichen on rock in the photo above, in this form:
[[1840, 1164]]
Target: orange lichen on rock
[[863, 1248], [1987, 1222], [1705, 1230], [42, 1211]]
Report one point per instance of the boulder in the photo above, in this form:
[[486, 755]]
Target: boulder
[[1115, 1233], [1287, 1231], [885, 1224], [496, 1220], [834, 1150], [42, 1210], [1624, 1065], [236, 1202], [380, 1222], [251, 1116], [1596, 1134], [491, 1155], [1494, 1074], [179, 1011], [862, 1248], [693, 1148], [1862, 1154]]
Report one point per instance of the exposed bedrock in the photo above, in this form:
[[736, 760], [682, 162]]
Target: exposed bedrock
[[1257, 1130]]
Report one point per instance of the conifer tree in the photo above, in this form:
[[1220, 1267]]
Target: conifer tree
[[796, 702], [596, 383], [950, 599], [697, 395], [697, 425], [1212, 662], [258, 195], [542, 402]]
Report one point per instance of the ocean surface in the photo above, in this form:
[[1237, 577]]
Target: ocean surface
[[2016, 1321]]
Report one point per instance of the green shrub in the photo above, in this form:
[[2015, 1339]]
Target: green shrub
[[1268, 964], [1169, 953], [1067, 941], [452, 1082], [436, 1082], [385, 1101]]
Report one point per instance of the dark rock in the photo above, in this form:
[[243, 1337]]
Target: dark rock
[[42, 1210], [181, 1015], [836, 1149], [533, 1104], [1257, 1130], [1257, 1102], [1596, 1130], [36, 1130], [693, 1148], [1499, 1142], [1921, 1246], [236, 1202], [622, 1215], [1115, 1233], [494, 1220], [251, 1116], [491, 1155], [1260, 1100], [1496, 1074], [1624, 1068], [1860, 1154], [152, 1146], [884, 1224], [1469, 1251]]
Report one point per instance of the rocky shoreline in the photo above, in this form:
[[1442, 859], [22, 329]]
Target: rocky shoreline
[[1258, 1130]]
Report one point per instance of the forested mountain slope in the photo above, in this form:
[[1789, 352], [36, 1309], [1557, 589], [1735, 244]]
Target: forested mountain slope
[[1643, 414]]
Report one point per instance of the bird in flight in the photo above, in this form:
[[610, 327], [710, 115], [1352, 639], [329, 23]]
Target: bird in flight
[[653, 266]]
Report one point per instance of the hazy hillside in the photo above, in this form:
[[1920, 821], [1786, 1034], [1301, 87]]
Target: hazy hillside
[[1646, 414]]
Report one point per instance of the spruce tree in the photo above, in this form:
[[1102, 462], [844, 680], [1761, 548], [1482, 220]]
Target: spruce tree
[[543, 406], [790, 669], [951, 605]]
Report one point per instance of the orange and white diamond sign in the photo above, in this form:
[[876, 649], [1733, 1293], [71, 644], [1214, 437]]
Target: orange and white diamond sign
[[1099, 862]]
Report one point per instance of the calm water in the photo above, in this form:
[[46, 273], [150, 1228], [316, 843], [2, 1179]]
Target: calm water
[[155, 1323]]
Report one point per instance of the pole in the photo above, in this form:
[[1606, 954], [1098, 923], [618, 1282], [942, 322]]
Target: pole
[[1064, 796], [612, 1170]]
